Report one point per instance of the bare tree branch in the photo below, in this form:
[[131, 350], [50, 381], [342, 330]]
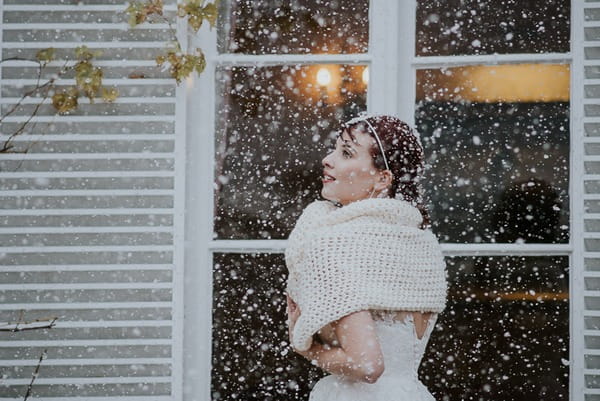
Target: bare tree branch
[[34, 375]]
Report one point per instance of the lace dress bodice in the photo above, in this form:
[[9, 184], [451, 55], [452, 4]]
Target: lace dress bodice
[[402, 353]]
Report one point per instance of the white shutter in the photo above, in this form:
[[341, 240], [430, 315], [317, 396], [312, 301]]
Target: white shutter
[[585, 282], [91, 215]]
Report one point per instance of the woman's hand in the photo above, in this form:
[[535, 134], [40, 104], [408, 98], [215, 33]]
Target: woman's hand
[[293, 312]]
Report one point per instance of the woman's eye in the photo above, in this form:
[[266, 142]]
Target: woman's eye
[[346, 153]]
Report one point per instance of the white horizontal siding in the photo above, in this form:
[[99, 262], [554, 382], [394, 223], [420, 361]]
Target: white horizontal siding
[[88, 215]]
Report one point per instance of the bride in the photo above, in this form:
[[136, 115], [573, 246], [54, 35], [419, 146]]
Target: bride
[[366, 276]]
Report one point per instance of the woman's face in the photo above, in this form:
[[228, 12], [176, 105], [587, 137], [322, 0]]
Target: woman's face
[[348, 171]]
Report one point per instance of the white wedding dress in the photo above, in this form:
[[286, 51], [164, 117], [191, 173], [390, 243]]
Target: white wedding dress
[[402, 352]]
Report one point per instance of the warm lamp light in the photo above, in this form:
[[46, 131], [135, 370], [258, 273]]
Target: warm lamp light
[[323, 76], [365, 76]]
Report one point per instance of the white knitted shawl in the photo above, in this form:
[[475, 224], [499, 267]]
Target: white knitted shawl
[[369, 254]]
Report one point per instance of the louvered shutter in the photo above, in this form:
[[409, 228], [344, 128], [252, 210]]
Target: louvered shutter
[[90, 216], [585, 291]]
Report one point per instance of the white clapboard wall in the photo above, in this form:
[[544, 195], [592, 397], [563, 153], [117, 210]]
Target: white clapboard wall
[[90, 216]]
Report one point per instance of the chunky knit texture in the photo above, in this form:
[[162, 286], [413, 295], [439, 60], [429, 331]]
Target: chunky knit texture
[[369, 254]]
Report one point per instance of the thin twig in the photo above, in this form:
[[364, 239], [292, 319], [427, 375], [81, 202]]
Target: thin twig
[[7, 146], [16, 327], [34, 376]]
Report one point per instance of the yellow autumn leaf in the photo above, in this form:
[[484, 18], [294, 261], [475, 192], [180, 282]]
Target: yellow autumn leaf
[[210, 13], [45, 54], [109, 94], [196, 13], [139, 12], [84, 53], [65, 101], [88, 78], [199, 62], [136, 13]]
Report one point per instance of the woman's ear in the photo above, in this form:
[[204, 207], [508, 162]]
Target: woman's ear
[[385, 180]]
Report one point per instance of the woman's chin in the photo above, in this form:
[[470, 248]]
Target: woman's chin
[[327, 196]]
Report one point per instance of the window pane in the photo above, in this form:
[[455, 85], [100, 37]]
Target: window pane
[[497, 146], [505, 332], [460, 27], [313, 26], [251, 356], [274, 126]]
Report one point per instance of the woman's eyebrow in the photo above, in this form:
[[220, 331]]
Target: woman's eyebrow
[[347, 142]]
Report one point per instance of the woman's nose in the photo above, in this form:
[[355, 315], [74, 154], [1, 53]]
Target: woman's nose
[[326, 161]]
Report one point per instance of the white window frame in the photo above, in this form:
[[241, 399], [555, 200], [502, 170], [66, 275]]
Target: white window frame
[[392, 64]]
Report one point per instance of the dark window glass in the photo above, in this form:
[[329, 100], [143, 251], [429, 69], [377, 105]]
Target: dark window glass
[[313, 26], [505, 332], [274, 127], [251, 356], [497, 153], [465, 27]]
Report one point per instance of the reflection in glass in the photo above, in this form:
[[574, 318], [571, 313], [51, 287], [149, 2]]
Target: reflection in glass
[[251, 356], [310, 26], [505, 332], [274, 126], [503, 335], [497, 148], [464, 27]]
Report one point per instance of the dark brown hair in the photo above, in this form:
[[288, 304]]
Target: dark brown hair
[[404, 154]]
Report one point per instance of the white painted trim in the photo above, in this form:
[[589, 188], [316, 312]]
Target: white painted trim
[[2, 65], [179, 221], [90, 267], [490, 59], [91, 45], [263, 60], [87, 156], [87, 380], [87, 192], [89, 119], [83, 286], [278, 246], [106, 81], [407, 79], [120, 398], [86, 248], [83, 212], [98, 63], [62, 306], [106, 324], [119, 100], [576, 207], [85, 174], [85, 26], [62, 8], [85, 229], [84, 343], [86, 362], [92, 137], [383, 70], [200, 212]]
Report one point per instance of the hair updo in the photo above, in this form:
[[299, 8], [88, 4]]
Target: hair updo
[[404, 154]]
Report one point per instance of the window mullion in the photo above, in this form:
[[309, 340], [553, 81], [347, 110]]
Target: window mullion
[[458, 61], [278, 246], [264, 60], [385, 69], [199, 212]]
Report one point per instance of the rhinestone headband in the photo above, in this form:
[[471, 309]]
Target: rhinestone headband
[[364, 118]]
